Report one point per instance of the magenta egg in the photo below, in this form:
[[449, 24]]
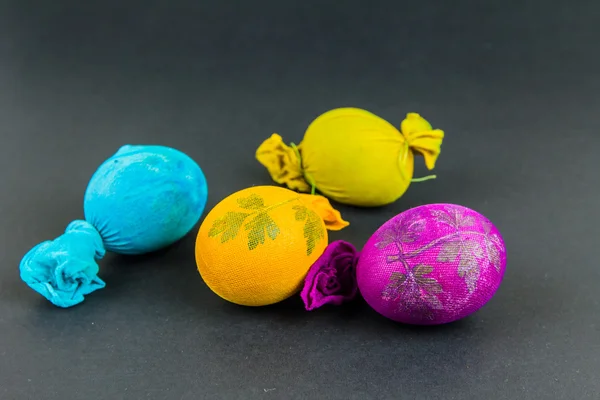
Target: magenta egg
[[432, 264]]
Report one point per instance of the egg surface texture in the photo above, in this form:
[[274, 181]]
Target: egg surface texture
[[255, 247], [145, 198], [432, 264]]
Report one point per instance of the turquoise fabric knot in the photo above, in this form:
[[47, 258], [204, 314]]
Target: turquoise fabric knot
[[64, 270]]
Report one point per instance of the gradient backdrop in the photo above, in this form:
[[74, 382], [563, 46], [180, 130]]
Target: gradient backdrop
[[514, 84]]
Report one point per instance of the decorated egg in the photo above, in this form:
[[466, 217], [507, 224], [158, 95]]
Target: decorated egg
[[432, 264], [255, 247]]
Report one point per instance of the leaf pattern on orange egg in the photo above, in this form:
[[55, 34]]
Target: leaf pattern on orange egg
[[259, 225], [313, 227], [228, 225]]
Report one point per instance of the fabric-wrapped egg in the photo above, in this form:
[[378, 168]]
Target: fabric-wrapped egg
[[140, 200], [255, 247], [353, 156], [429, 265]]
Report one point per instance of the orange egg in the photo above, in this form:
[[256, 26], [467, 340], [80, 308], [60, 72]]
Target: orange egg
[[256, 246]]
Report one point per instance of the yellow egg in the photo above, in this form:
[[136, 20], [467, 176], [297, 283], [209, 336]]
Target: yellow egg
[[255, 247], [353, 156]]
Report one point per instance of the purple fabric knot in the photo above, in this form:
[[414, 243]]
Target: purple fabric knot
[[332, 278]]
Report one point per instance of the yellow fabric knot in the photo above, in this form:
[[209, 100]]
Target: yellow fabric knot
[[421, 137], [283, 164]]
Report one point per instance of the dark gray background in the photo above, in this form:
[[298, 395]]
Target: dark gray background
[[514, 84]]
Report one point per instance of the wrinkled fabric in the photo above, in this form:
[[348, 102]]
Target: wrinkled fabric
[[64, 270], [432, 264], [141, 199], [332, 278], [353, 156]]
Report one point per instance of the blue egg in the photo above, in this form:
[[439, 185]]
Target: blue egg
[[144, 198], [141, 199]]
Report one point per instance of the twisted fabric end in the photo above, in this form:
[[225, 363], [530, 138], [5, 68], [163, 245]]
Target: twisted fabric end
[[331, 217], [422, 138], [64, 270], [283, 163], [332, 278]]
